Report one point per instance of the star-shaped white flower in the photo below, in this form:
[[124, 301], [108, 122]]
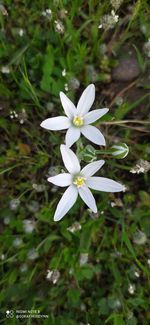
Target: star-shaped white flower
[[78, 120], [79, 182]]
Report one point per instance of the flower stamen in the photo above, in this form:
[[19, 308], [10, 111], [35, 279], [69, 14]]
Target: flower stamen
[[79, 181], [78, 120]]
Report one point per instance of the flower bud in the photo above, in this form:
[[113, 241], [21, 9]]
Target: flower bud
[[120, 150]]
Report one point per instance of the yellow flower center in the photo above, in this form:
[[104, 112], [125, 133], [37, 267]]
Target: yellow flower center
[[78, 120], [79, 181]]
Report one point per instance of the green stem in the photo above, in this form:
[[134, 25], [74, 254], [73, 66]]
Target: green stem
[[107, 152], [119, 165]]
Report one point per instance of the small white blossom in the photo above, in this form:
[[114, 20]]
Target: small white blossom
[[78, 119], [23, 268], [32, 254], [14, 204], [59, 27], [83, 259], [117, 203], [17, 242], [5, 70], [64, 73], [66, 87], [6, 220], [75, 227], [2, 257], [79, 182], [109, 21], [139, 238], [131, 288], [113, 204], [53, 276], [116, 17], [83, 307], [3, 10], [137, 274], [124, 188], [47, 13], [28, 226], [142, 166], [22, 116], [148, 262], [21, 32], [73, 83], [13, 114], [119, 101]]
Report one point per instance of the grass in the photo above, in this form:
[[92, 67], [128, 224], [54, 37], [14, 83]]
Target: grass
[[111, 286]]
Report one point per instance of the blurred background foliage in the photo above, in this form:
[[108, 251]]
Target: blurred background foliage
[[88, 268]]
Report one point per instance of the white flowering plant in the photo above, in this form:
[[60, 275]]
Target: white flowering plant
[[92, 265], [78, 119], [80, 181]]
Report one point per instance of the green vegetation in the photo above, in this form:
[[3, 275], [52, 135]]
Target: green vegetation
[[100, 263]]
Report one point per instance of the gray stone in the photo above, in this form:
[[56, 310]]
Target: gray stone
[[126, 70]]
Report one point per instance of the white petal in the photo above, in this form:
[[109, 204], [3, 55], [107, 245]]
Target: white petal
[[88, 198], [86, 100], [95, 115], [70, 160], [67, 201], [104, 184], [93, 134], [68, 106], [72, 135], [92, 168], [56, 123], [64, 179]]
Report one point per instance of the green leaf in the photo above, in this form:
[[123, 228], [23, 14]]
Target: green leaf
[[116, 318], [73, 296], [47, 69]]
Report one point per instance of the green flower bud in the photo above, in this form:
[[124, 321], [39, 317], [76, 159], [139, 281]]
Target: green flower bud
[[120, 150]]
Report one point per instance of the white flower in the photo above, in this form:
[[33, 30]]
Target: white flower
[[28, 226], [32, 254], [21, 32], [17, 242], [116, 17], [47, 13], [66, 87], [131, 288], [79, 182], [59, 27], [83, 259], [53, 276], [78, 119], [75, 227], [64, 73], [5, 70], [142, 166]]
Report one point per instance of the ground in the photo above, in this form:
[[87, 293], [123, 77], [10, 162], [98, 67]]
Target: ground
[[88, 268]]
